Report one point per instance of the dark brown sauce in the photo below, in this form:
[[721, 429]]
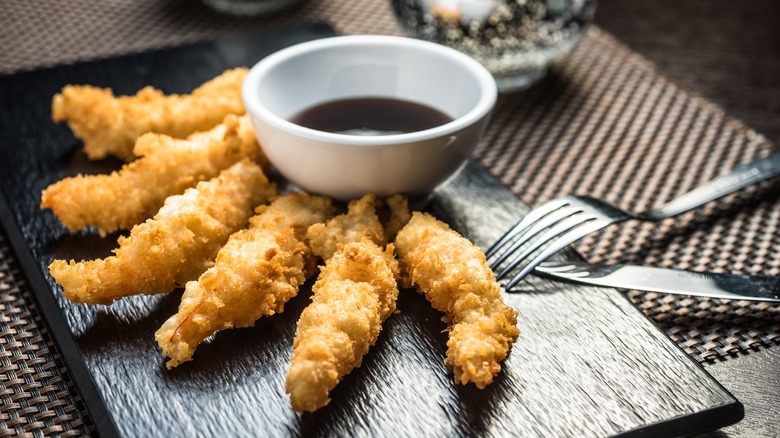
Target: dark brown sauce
[[370, 116]]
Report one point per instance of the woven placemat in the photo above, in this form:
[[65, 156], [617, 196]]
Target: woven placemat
[[80, 30], [607, 124], [604, 122], [37, 394]]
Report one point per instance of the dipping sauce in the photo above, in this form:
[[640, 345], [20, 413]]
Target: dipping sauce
[[370, 116]]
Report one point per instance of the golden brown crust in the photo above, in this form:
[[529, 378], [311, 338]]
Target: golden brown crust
[[257, 271], [110, 125], [167, 167], [173, 247], [355, 292], [454, 276], [398, 218], [360, 222]]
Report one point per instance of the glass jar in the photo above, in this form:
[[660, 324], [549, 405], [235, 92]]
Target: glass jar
[[516, 40]]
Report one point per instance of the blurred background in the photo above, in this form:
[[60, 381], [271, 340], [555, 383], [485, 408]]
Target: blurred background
[[725, 51]]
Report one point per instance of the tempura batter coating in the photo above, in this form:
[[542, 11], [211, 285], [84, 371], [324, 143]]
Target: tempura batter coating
[[454, 276], [354, 293], [360, 222], [110, 125], [398, 218], [173, 247], [167, 167], [257, 271]]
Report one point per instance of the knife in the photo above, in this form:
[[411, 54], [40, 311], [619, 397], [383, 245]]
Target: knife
[[672, 281]]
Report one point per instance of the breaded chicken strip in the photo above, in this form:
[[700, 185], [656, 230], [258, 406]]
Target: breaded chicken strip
[[173, 247], [454, 276], [167, 167], [398, 218], [354, 293], [110, 125], [257, 271], [360, 222]]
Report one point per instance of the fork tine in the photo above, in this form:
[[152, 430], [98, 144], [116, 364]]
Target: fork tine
[[533, 216], [556, 267], [568, 269], [563, 269], [565, 240], [566, 225], [542, 224]]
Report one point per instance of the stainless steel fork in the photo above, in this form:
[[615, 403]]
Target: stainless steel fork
[[565, 220]]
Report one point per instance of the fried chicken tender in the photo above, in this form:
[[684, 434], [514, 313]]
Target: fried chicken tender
[[257, 271], [110, 125], [454, 276], [360, 222], [173, 247], [399, 216], [355, 292], [167, 167]]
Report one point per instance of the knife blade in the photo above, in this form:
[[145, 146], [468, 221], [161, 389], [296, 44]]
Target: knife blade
[[672, 281]]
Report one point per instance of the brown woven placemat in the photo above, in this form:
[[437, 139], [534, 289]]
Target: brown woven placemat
[[37, 394], [607, 124], [604, 122], [50, 32]]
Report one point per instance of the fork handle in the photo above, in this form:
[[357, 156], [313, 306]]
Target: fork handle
[[749, 174]]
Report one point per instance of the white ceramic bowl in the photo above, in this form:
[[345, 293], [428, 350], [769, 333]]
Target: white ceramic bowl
[[347, 166]]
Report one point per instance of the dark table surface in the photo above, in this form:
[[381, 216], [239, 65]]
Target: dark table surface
[[726, 52]]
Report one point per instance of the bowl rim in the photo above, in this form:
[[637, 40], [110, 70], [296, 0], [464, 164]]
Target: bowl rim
[[254, 106]]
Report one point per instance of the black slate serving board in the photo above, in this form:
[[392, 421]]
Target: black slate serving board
[[587, 362]]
